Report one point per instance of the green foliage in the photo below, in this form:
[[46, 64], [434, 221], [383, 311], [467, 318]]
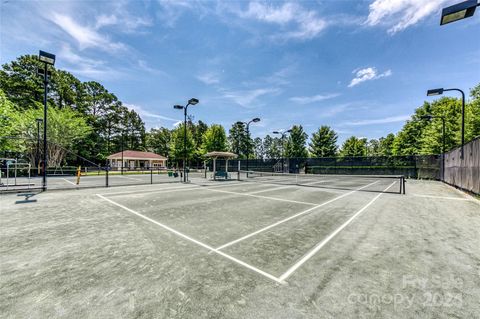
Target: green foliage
[[354, 146], [239, 141], [177, 144], [272, 147], [259, 148], [158, 141], [323, 142], [215, 139], [295, 145], [386, 145], [107, 118], [9, 120]]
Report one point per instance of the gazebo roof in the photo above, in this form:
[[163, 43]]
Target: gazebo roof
[[226, 155]]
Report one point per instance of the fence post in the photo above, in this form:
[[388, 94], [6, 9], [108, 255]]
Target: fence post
[[106, 176]]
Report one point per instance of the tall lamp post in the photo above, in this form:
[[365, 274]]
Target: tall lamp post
[[255, 120], [37, 158], [47, 59], [429, 117], [283, 134], [192, 101], [439, 92]]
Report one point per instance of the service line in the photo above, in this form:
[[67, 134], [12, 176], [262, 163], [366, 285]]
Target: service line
[[293, 216], [320, 245], [176, 232]]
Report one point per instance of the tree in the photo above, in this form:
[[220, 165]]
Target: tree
[[9, 122], [386, 145], [215, 139], [272, 147], [472, 116], [354, 146], [239, 140], [177, 142], [65, 128], [21, 83], [324, 142], [295, 145], [259, 148], [158, 141], [373, 147]]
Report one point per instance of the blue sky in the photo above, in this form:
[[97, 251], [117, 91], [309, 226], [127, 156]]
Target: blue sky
[[361, 67]]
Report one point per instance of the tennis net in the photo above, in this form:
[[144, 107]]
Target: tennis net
[[372, 183]]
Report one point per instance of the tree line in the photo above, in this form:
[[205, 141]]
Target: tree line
[[88, 120]]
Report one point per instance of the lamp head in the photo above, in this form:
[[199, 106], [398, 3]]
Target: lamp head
[[288, 131], [39, 120], [276, 132], [46, 57], [255, 120], [178, 107], [193, 101], [435, 92], [427, 117], [458, 11]]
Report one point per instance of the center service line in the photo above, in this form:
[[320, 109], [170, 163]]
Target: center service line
[[244, 264], [326, 240], [292, 217]]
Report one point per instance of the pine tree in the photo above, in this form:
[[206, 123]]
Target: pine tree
[[324, 142], [295, 145]]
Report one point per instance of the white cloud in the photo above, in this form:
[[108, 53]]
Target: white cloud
[[392, 119], [247, 98], [367, 74], [312, 99], [85, 36], [401, 14], [144, 113], [305, 24], [209, 78]]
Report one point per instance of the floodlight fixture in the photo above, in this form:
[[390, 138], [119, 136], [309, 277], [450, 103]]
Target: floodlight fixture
[[435, 92], [46, 57], [193, 101], [458, 11]]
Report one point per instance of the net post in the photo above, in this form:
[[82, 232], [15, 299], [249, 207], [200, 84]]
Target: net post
[[151, 176], [403, 182], [106, 176]]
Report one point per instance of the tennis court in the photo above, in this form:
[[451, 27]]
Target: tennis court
[[242, 249]]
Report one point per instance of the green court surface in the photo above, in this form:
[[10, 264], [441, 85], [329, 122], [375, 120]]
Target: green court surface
[[241, 250]]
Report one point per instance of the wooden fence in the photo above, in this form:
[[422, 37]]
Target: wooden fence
[[464, 173]]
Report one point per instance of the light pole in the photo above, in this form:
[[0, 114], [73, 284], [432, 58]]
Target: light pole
[[458, 11], [37, 157], [192, 101], [283, 134], [439, 92], [255, 120], [429, 117], [47, 59]]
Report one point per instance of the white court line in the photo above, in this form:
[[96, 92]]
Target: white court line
[[66, 180], [259, 196], [121, 176], [171, 189], [327, 239], [442, 197], [268, 190], [292, 217], [259, 271]]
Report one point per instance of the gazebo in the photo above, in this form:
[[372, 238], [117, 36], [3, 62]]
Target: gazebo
[[220, 155]]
